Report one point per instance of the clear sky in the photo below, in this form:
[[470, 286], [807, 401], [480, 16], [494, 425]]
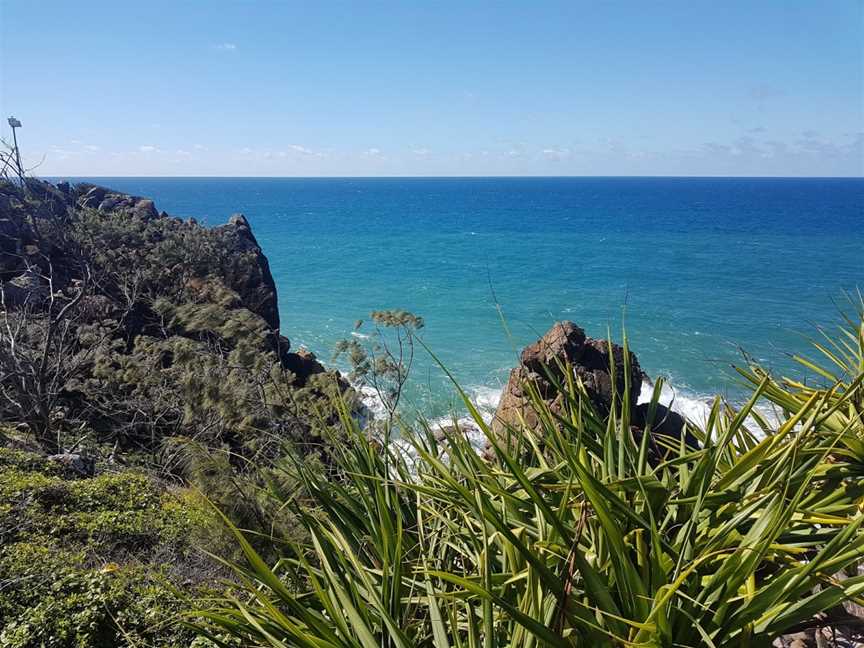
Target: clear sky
[[436, 88]]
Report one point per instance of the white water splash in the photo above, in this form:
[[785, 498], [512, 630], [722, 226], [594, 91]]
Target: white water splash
[[693, 406]]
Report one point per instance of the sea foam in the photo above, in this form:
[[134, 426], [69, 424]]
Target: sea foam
[[693, 406]]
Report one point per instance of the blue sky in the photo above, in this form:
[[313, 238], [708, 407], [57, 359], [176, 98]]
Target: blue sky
[[436, 88]]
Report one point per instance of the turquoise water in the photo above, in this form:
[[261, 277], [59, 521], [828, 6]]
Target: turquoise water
[[705, 267]]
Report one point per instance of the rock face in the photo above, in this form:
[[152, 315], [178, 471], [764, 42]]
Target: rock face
[[24, 211], [75, 465], [43, 201], [25, 288], [543, 363], [106, 200], [302, 364], [18, 240], [256, 284]]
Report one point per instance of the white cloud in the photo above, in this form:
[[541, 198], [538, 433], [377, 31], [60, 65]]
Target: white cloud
[[148, 148], [747, 156], [421, 152], [60, 153], [92, 148], [199, 147], [305, 151], [372, 152], [556, 154], [226, 47]]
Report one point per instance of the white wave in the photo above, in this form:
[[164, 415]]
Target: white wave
[[486, 399], [692, 406], [373, 403], [696, 407], [468, 427]]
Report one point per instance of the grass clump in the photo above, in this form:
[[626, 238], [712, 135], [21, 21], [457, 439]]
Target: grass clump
[[577, 535]]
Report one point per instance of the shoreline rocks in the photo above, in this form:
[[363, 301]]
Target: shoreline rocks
[[542, 366], [543, 363]]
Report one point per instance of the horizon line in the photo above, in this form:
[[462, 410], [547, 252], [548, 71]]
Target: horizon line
[[452, 177]]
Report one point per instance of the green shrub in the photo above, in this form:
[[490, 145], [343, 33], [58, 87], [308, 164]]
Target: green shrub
[[99, 609], [93, 562]]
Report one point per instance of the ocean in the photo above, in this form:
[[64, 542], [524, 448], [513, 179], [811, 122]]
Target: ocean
[[698, 270]]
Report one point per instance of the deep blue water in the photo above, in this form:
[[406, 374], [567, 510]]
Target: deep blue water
[[705, 266]]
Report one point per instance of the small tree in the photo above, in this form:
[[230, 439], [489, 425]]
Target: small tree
[[384, 364], [39, 350]]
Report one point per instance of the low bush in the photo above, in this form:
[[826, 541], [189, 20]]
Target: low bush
[[98, 562]]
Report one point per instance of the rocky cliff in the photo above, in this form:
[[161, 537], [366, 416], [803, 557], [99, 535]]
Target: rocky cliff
[[127, 318], [30, 215]]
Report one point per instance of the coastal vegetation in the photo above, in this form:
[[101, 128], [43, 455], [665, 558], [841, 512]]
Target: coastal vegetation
[[140, 366], [172, 473], [90, 560], [580, 532]]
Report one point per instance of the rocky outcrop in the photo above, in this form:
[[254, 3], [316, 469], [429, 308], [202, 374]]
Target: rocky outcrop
[[105, 200], [159, 314], [74, 465], [24, 211], [255, 283], [543, 365], [28, 212], [303, 364], [26, 288]]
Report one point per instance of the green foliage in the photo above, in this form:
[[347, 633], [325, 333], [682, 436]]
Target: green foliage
[[840, 372], [397, 319], [150, 354], [146, 258], [573, 537], [249, 498], [383, 365], [89, 562], [98, 608], [156, 341], [212, 379]]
